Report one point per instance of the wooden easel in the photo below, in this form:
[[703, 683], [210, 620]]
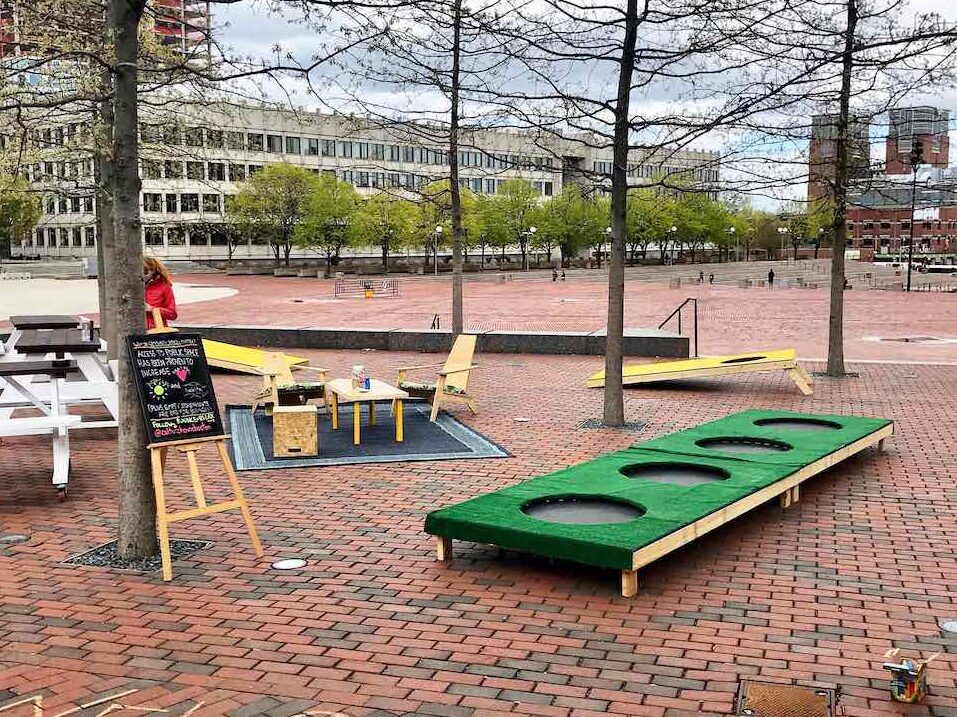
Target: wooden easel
[[190, 447]]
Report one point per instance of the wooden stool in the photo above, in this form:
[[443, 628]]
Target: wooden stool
[[295, 431]]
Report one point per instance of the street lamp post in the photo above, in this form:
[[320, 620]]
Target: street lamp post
[[531, 239], [783, 231], [672, 231], [732, 231], [435, 250], [916, 155]]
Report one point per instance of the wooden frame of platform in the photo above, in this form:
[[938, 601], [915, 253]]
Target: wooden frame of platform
[[782, 360], [787, 490]]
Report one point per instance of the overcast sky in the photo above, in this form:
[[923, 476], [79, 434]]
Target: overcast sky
[[249, 30]]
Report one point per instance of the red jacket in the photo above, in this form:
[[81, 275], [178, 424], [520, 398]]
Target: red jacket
[[159, 294]]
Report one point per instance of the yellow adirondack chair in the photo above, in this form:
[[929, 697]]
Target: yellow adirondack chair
[[453, 379], [280, 388]]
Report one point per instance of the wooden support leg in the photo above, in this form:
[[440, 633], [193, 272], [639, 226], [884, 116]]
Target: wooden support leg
[[335, 412], [795, 494], [785, 499], [356, 421], [443, 548], [240, 498], [799, 381], [880, 446], [158, 460], [399, 428], [436, 404], [629, 583]]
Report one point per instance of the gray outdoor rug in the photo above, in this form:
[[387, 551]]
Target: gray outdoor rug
[[446, 439]]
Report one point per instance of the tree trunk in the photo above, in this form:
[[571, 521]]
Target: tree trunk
[[835, 339], [457, 315], [385, 257], [614, 408], [136, 531]]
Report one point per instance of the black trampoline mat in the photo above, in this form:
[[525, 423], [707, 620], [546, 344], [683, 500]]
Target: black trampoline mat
[[743, 445], [581, 510], [798, 424], [674, 473]]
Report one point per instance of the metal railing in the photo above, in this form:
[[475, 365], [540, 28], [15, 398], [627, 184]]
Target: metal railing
[[361, 287], [678, 312]]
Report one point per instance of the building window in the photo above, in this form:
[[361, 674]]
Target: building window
[[189, 203], [195, 170], [219, 236], [211, 203], [214, 138], [273, 143], [75, 205], [347, 176], [235, 141], [62, 207], [173, 169], [89, 236], [363, 179], [172, 202], [171, 135], [395, 153], [152, 169], [293, 145], [328, 148], [40, 240], [476, 185], [176, 236], [199, 237], [154, 236], [77, 237], [345, 149], [151, 133], [549, 189], [255, 142], [394, 178], [194, 137], [237, 172], [490, 186], [360, 150], [88, 205], [216, 171], [253, 168], [64, 237], [312, 147], [378, 152], [153, 202], [408, 154]]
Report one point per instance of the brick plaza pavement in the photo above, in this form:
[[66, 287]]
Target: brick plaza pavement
[[373, 626], [732, 319]]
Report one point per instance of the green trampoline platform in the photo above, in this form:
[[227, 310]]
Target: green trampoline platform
[[626, 509]]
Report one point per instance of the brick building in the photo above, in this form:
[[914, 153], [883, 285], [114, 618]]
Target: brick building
[[881, 198]]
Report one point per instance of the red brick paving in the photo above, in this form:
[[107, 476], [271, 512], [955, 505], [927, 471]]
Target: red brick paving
[[732, 320], [373, 626]]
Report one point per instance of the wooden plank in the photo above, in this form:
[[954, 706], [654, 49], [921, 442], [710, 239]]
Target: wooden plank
[[729, 370], [188, 442], [649, 553], [295, 431], [207, 510]]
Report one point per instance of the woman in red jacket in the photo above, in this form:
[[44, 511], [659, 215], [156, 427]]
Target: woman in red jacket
[[159, 291]]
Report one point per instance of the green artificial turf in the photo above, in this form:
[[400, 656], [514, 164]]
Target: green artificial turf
[[497, 518]]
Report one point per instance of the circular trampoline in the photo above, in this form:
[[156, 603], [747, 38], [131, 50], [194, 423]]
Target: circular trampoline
[[743, 444], [743, 359], [674, 473], [582, 510], [799, 424]]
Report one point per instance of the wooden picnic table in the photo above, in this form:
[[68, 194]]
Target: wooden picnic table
[[45, 321], [53, 418], [94, 385]]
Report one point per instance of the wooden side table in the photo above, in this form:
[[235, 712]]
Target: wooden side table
[[295, 431], [342, 391]]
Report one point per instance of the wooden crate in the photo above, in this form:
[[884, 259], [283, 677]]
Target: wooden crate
[[295, 431]]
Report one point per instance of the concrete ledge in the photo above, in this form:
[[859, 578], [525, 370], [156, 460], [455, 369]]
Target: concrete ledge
[[643, 342], [637, 342]]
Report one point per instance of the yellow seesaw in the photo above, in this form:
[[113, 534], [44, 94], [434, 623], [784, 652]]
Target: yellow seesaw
[[228, 356], [783, 360]]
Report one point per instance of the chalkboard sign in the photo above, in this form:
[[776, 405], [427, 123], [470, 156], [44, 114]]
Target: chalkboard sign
[[176, 393]]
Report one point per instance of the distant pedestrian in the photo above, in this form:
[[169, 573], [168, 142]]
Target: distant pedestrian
[[563, 275], [770, 278], [710, 278], [554, 274], [700, 277]]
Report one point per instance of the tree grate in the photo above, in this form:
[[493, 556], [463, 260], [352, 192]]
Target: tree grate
[[105, 556], [767, 699], [592, 424]]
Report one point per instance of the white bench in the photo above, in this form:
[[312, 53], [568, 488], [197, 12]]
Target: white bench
[[36, 425]]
